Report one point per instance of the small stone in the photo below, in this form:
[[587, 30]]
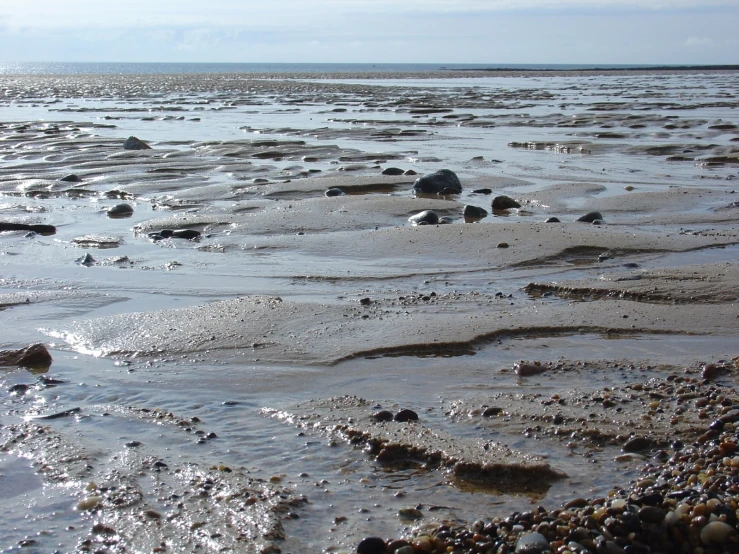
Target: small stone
[[474, 211], [426, 217], [120, 211], [133, 143], [334, 191], [637, 444], [383, 415], [524, 369], [188, 234], [716, 532], [87, 260], [502, 245], [651, 514], [89, 503], [392, 171], [532, 543], [372, 545], [590, 217], [439, 181], [71, 178], [710, 372], [552, 220], [504, 203], [491, 411], [410, 513], [482, 191], [406, 415]]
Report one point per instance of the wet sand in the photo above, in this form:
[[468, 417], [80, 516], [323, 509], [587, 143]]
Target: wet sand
[[287, 306]]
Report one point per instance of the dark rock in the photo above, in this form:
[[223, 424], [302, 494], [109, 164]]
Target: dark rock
[[590, 217], [154, 237], [133, 143], [372, 545], [33, 356], [552, 220], [438, 182], [188, 234], [532, 543], [20, 389], [474, 211], [504, 203], [40, 229], [383, 415], [651, 514], [406, 415], [637, 444], [410, 172], [482, 191], [72, 178], [491, 411], [86, 260], [334, 191], [119, 211], [426, 217], [166, 233], [392, 171]]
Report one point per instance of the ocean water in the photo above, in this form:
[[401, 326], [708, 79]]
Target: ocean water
[[593, 136], [88, 68]]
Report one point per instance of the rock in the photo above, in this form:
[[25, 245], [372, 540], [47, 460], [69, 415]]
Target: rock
[[406, 415], [426, 217], [334, 191], [491, 411], [482, 191], [504, 203], [188, 234], [711, 372], [474, 211], [372, 545], [438, 182], [383, 415], [552, 220], [524, 369], [120, 211], [532, 543], [445, 220], [410, 513], [40, 229], [87, 260], [590, 217], [410, 172], [716, 532], [392, 171], [651, 514], [637, 444], [133, 143], [35, 355], [71, 178], [502, 245]]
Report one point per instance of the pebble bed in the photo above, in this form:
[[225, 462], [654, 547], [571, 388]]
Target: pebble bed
[[688, 503]]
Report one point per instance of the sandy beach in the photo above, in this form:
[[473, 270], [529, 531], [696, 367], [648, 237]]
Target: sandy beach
[[240, 305]]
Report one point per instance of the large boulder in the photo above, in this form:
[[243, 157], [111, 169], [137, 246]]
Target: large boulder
[[444, 180]]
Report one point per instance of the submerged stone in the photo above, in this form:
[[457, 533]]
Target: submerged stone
[[590, 217], [504, 203], [474, 211], [426, 217]]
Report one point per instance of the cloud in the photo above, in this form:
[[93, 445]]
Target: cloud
[[697, 41]]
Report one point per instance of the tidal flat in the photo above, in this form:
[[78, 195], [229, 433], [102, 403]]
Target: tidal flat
[[256, 350]]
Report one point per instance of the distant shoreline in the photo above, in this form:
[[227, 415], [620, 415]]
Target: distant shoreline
[[601, 69]]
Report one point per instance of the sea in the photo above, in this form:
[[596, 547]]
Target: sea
[[120, 68]]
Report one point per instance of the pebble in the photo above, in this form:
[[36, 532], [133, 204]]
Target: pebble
[[89, 503], [504, 203], [120, 211], [637, 444], [532, 543], [474, 211], [334, 191], [406, 415], [524, 369], [590, 217], [716, 532], [552, 220], [426, 217], [372, 545]]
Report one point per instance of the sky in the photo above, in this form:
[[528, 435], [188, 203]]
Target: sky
[[372, 31]]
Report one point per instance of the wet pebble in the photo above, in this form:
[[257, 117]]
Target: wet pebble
[[392, 171], [552, 220], [372, 545], [426, 217], [637, 444], [590, 217], [120, 211], [383, 415], [406, 415], [504, 203], [524, 369], [444, 180], [474, 211], [532, 543], [334, 191]]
